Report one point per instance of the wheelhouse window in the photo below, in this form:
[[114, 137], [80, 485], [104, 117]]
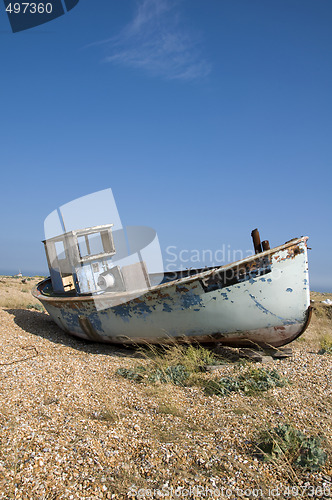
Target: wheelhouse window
[[94, 244]]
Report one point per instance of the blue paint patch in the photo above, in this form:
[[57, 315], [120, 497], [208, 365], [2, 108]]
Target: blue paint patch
[[262, 279], [289, 289], [167, 308], [142, 309], [96, 322], [269, 280], [126, 311], [190, 299], [224, 295], [122, 310], [70, 319]]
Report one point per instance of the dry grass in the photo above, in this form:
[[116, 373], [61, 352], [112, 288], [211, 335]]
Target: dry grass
[[71, 428], [321, 321], [15, 292]]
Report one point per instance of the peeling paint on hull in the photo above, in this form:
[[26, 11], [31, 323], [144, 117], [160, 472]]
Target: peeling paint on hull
[[263, 299]]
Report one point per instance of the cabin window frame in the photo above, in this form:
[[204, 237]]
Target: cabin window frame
[[106, 240]]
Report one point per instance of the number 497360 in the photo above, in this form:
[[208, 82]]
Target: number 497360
[[29, 8]]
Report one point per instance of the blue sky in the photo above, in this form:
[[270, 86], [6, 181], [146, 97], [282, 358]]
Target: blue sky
[[206, 118]]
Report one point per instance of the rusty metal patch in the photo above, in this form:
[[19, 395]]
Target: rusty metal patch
[[88, 329], [237, 274]]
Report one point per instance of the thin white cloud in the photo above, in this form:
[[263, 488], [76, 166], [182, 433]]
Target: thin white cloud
[[155, 41]]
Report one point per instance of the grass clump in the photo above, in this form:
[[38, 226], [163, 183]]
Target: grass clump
[[284, 441], [195, 358], [176, 374], [250, 381], [325, 345], [175, 364], [169, 409], [37, 307]]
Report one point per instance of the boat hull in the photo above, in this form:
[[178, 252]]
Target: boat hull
[[263, 300]]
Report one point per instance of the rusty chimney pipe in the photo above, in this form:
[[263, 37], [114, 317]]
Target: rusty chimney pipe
[[265, 245], [256, 240]]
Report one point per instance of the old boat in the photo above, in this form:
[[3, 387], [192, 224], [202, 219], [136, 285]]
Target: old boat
[[262, 299]]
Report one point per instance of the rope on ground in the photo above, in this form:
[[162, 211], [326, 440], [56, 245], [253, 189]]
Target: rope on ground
[[28, 348]]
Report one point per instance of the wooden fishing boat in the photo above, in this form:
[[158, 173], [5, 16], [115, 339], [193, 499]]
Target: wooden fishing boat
[[261, 300]]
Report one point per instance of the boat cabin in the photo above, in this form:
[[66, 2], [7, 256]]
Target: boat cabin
[[81, 261]]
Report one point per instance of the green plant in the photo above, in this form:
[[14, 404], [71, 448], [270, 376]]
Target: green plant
[[176, 374], [137, 374], [250, 381], [299, 449], [222, 386], [312, 456], [325, 345], [260, 379]]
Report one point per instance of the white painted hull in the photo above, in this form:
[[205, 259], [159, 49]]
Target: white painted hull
[[263, 300]]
